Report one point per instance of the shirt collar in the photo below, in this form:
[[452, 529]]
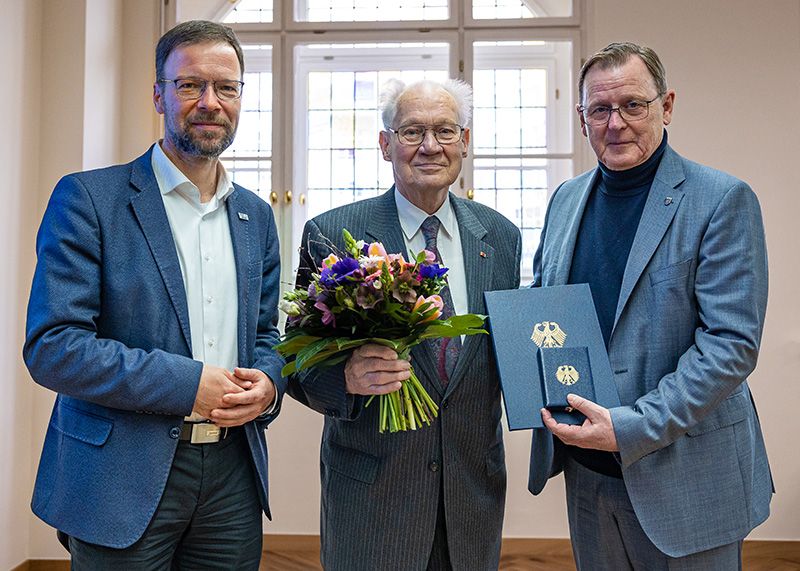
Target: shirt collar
[[170, 179], [411, 217]]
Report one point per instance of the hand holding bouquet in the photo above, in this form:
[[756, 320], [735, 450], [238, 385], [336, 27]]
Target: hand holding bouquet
[[366, 296]]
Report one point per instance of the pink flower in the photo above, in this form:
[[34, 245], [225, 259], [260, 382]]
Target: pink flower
[[330, 260], [432, 311], [327, 315], [430, 257], [377, 249]]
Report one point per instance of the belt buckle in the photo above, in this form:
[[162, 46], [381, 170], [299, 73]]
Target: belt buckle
[[205, 433]]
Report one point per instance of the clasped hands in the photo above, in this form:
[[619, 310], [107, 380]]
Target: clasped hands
[[596, 432], [232, 399]]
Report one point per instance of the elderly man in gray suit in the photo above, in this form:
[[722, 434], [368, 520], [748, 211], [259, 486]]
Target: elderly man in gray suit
[[674, 253], [431, 498]]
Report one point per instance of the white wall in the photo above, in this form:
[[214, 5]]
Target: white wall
[[20, 60], [732, 62], [734, 65]]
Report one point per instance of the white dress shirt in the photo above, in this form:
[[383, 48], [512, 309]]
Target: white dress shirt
[[448, 243], [205, 251]]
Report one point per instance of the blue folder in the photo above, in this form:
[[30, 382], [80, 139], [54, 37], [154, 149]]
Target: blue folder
[[563, 316]]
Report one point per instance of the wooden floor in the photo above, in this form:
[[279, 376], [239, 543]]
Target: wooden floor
[[301, 553]]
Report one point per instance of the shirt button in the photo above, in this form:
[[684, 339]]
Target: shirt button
[[445, 403], [433, 466], [209, 298], [206, 257], [174, 432], [211, 342]]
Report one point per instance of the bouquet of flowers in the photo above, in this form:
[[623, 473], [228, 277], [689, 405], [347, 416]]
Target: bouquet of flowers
[[364, 295]]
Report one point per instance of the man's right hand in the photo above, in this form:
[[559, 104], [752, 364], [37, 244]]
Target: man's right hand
[[375, 370], [215, 384]]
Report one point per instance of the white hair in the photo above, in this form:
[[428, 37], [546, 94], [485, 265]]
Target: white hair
[[394, 89]]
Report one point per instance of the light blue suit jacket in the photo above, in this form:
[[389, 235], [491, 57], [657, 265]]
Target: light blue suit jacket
[[686, 336], [108, 330]]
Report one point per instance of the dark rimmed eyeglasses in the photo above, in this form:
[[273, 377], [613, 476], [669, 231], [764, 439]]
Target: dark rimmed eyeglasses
[[413, 135], [189, 88], [633, 110]]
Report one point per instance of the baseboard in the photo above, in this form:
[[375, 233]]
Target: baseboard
[[762, 551], [43, 565]]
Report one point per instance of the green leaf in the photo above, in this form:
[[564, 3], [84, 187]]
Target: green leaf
[[293, 342], [350, 243], [306, 354]]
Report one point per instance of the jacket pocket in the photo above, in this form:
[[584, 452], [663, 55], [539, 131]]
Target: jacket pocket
[[495, 458], [671, 272], [350, 462], [81, 425], [733, 409]]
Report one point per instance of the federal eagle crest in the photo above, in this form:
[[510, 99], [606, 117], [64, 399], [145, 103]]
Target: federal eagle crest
[[548, 334], [567, 375]]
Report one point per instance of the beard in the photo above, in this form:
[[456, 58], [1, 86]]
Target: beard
[[202, 144]]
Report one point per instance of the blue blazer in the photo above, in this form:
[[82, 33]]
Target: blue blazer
[[108, 330], [686, 336]]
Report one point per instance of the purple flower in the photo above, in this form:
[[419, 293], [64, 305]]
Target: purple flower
[[339, 272], [432, 271], [403, 288], [327, 315], [367, 296]]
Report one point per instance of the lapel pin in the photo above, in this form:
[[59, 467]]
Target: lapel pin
[[483, 255], [243, 216], [668, 201]]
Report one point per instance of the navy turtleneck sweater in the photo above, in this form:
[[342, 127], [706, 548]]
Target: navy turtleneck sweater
[[606, 235]]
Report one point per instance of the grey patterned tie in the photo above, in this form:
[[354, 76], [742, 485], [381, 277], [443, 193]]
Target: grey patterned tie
[[445, 349]]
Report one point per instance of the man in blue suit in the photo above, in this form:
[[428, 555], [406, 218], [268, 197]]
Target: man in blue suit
[[674, 253], [153, 316]]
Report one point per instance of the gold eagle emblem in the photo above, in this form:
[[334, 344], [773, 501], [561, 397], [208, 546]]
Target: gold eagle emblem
[[567, 375], [548, 334]]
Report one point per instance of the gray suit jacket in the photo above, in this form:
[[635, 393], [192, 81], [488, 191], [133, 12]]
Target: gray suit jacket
[[380, 492], [686, 336]]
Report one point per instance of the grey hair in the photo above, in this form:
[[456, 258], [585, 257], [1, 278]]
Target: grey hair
[[394, 89], [617, 54]]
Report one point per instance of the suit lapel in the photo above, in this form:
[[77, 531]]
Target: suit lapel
[[242, 238], [152, 216], [478, 266], [573, 224], [383, 224], [659, 210]]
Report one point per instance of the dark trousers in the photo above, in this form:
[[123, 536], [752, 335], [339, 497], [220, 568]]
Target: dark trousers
[[440, 554], [606, 533], [209, 516]]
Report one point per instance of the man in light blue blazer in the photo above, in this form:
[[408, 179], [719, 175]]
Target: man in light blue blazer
[[674, 253], [153, 316]]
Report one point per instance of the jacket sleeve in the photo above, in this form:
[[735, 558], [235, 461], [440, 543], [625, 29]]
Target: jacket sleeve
[[63, 348]]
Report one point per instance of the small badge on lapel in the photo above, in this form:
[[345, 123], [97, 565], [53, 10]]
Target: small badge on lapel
[[668, 201], [483, 255], [243, 216]]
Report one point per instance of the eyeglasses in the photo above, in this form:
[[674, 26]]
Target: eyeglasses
[[633, 110], [413, 135], [189, 88]]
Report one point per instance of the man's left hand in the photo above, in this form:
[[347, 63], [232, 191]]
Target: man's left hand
[[245, 406], [596, 432]]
